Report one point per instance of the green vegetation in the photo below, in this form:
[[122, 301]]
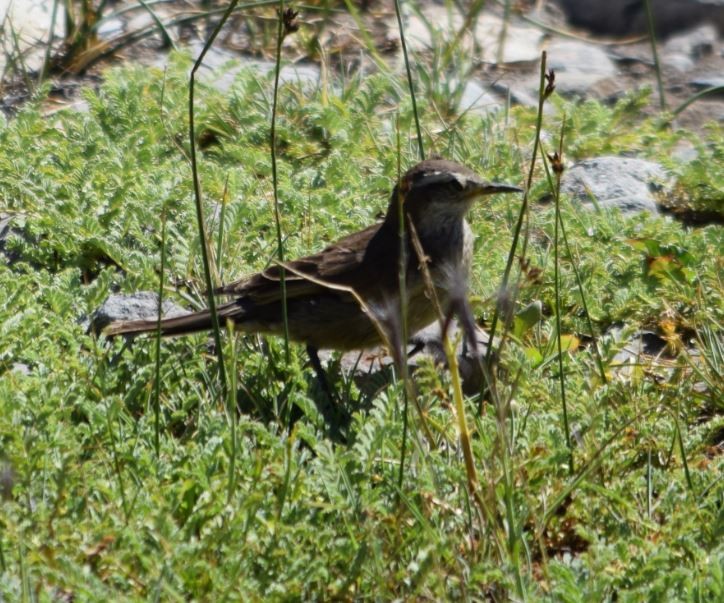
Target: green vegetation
[[239, 508]]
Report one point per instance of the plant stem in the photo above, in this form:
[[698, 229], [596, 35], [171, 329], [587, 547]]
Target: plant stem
[[275, 184]]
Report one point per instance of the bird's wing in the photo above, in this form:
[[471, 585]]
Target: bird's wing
[[338, 264]]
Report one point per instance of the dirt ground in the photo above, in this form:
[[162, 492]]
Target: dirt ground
[[127, 32]]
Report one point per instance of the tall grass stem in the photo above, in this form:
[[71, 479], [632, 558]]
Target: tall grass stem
[[523, 206], [157, 347], [557, 287], [410, 83], [275, 181], [197, 197], [655, 53]]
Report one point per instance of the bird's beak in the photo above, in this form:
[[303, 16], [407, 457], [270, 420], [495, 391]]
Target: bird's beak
[[478, 189]]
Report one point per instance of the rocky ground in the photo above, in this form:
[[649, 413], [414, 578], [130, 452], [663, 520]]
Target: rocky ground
[[601, 52]]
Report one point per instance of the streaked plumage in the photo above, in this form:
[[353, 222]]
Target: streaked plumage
[[437, 195]]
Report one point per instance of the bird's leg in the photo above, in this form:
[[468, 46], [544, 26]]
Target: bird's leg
[[319, 371], [461, 307], [417, 347], [334, 415]]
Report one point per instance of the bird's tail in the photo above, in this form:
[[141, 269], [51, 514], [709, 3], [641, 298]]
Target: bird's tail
[[178, 325]]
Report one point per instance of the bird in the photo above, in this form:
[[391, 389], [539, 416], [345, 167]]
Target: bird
[[322, 310]]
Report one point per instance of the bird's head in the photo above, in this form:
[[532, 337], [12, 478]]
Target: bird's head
[[436, 192]]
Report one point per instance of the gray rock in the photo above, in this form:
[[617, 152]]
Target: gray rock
[[684, 152], [469, 365], [221, 67], [521, 43], [578, 66], [140, 20], [624, 17], [694, 43], [683, 50], [305, 75], [7, 231], [20, 368], [631, 185], [108, 28], [641, 343], [30, 22], [142, 305], [371, 369], [643, 349], [679, 62], [479, 100], [711, 81], [518, 94]]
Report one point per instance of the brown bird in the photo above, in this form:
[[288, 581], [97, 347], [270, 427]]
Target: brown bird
[[436, 194]]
